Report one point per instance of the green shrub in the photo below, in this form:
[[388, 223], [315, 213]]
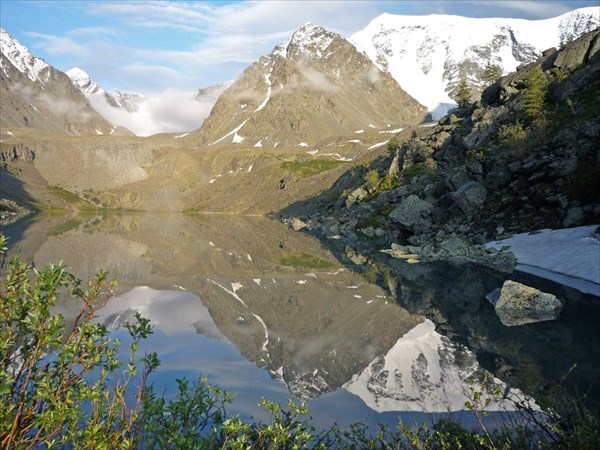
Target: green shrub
[[533, 96], [514, 136], [372, 180]]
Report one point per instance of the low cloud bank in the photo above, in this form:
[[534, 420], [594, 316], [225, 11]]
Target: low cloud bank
[[172, 111]]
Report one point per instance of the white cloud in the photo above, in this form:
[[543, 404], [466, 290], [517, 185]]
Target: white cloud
[[524, 9], [171, 111]]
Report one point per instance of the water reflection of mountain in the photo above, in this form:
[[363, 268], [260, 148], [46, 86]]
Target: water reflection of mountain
[[285, 302], [289, 306], [425, 371], [543, 359]]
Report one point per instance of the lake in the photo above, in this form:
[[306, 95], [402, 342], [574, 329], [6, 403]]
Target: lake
[[264, 311]]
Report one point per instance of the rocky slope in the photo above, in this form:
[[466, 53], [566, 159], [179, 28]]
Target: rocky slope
[[315, 85], [36, 95], [482, 172], [428, 55]]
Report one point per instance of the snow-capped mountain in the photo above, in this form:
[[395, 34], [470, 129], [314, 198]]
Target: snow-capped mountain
[[428, 55], [36, 95], [425, 371], [22, 59], [128, 102], [313, 86]]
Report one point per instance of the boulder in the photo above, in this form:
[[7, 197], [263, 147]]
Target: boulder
[[413, 213], [574, 217], [470, 197], [518, 304]]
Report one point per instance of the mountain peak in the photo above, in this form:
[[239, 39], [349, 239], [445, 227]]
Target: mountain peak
[[83, 81], [308, 40], [20, 57]]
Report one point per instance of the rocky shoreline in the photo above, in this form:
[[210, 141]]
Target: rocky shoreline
[[451, 187]]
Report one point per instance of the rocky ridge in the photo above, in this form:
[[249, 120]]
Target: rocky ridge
[[128, 102]]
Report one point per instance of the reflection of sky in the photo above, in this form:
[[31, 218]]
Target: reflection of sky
[[168, 311]]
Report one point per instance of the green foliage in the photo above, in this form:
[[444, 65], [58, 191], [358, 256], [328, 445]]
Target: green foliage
[[491, 73], [72, 199], [463, 95], [557, 74], [392, 146], [389, 182], [515, 136], [310, 167], [533, 96], [372, 180], [46, 392]]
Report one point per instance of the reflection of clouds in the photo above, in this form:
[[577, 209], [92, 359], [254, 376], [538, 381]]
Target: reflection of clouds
[[169, 311], [423, 371]]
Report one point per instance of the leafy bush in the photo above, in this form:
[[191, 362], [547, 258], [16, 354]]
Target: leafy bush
[[514, 136]]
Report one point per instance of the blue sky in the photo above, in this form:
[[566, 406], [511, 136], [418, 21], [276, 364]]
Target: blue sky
[[147, 47]]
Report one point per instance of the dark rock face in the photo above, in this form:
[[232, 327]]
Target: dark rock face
[[17, 152]]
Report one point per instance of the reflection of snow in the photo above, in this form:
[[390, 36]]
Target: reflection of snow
[[423, 371], [570, 256], [236, 287]]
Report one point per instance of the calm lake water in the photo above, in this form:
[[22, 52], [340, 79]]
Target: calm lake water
[[264, 311]]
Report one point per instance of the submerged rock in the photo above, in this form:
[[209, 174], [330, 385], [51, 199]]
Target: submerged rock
[[518, 304]]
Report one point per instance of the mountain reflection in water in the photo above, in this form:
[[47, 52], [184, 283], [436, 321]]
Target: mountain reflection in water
[[264, 312]]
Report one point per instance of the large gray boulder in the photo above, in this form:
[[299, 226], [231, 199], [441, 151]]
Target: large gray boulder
[[518, 304], [413, 213], [470, 197]]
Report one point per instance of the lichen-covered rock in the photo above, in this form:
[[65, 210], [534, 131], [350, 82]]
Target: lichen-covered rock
[[518, 304]]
